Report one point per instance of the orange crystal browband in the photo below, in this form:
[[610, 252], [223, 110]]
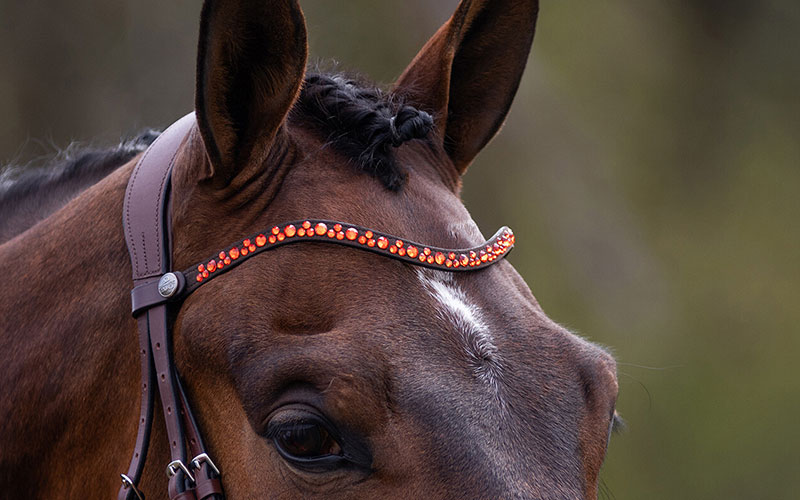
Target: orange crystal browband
[[348, 234]]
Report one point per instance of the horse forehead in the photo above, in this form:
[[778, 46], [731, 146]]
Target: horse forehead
[[326, 183]]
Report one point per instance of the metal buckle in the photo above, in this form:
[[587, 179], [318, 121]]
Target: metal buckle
[[128, 483], [205, 458], [172, 469]]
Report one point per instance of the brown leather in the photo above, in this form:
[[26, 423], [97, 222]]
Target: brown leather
[[147, 295], [207, 485], [208, 488], [144, 209], [147, 233], [145, 413]]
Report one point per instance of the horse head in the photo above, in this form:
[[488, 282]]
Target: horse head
[[319, 371]]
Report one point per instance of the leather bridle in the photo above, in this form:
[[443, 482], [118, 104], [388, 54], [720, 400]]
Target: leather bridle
[[146, 219]]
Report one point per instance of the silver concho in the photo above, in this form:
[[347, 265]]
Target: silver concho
[[168, 285]]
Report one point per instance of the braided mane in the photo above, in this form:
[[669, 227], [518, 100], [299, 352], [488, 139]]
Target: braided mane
[[363, 123]]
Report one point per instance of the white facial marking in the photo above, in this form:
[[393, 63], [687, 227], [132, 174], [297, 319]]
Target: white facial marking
[[467, 319]]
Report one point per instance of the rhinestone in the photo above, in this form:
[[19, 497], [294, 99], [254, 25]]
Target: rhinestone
[[351, 233], [306, 225], [382, 243], [276, 230], [261, 240], [320, 229], [290, 231], [301, 232], [439, 257], [211, 266], [362, 239], [368, 234], [234, 253], [337, 227], [412, 251]]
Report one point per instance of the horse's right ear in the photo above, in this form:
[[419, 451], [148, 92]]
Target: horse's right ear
[[250, 65]]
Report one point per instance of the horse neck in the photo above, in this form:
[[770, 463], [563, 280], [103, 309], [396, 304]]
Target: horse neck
[[70, 375]]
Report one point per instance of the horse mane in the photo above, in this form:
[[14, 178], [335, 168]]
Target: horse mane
[[31, 193], [357, 119], [362, 122]]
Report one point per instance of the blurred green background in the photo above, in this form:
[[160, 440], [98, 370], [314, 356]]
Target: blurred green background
[[650, 168]]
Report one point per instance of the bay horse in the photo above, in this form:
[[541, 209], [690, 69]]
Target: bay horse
[[315, 370]]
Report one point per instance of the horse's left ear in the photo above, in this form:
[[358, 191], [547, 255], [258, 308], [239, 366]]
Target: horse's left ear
[[468, 72], [250, 64]]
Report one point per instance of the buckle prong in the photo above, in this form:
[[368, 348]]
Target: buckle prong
[[128, 483], [174, 466], [203, 457]]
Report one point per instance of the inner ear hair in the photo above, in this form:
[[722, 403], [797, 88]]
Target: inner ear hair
[[251, 62]]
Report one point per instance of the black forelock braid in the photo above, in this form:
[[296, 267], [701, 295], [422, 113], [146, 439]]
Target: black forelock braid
[[363, 124]]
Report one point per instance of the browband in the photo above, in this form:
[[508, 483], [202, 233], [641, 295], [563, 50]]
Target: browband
[[176, 286], [146, 221]]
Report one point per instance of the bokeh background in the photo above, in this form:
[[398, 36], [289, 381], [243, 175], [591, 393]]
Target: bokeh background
[[650, 167]]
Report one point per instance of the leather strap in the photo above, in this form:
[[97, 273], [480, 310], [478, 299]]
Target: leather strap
[[206, 475], [146, 223], [134, 473], [145, 205]]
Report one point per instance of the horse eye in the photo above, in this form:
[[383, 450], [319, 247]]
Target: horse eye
[[306, 440]]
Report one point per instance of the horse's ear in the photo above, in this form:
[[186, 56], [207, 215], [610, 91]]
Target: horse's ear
[[250, 65], [468, 72]]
